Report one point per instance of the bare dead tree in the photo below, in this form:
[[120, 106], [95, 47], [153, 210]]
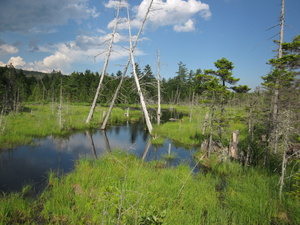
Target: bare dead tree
[[105, 66], [60, 105], [140, 93], [158, 88], [285, 126], [125, 71], [275, 135]]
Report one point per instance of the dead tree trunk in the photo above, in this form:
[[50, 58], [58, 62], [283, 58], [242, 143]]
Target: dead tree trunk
[[60, 106], [140, 93], [158, 89], [124, 72], [250, 139], [233, 149], [286, 128], [211, 127], [205, 123], [275, 111], [104, 67]]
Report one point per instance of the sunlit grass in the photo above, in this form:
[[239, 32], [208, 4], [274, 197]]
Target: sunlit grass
[[121, 189], [188, 130]]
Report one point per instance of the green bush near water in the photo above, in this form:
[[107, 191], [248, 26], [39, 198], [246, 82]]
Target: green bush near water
[[121, 189]]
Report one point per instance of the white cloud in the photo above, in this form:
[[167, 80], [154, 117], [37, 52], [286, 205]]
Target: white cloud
[[39, 16], [114, 4], [122, 23], [188, 26], [7, 49], [177, 13], [100, 31], [16, 61], [84, 49]]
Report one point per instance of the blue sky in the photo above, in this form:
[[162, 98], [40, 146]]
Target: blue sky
[[68, 35]]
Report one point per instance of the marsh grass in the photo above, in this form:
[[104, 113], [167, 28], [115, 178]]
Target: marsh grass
[[42, 120], [188, 130], [121, 189], [170, 156]]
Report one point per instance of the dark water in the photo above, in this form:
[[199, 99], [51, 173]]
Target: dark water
[[31, 164]]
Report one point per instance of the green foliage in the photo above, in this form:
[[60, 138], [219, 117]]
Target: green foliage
[[291, 55], [241, 89], [152, 216], [279, 78], [296, 186], [224, 71], [285, 67]]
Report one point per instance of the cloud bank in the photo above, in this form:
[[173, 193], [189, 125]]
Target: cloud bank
[[176, 13], [39, 15], [7, 49], [84, 49]]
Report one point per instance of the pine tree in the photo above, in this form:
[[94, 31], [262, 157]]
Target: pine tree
[[224, 71]]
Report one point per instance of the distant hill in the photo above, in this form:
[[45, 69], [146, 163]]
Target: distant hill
[[36, 74]]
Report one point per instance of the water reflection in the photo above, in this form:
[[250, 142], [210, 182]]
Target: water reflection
[[31, 164]]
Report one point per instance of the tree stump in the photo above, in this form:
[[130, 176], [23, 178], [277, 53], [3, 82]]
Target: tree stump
[[233, 149]]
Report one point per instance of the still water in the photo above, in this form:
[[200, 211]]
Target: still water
[[31, 164]]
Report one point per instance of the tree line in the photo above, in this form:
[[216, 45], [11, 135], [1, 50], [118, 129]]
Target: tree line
[[18, 86]]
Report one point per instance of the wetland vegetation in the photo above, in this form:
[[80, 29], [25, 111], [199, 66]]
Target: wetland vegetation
[[119, 188]]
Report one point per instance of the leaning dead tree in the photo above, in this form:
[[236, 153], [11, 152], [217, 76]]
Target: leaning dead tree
[[140, 93], [109, 50], [125, 69], [158, 88]]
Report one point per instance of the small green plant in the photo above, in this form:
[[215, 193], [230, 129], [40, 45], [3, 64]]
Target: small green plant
[[152, 216], [170, 156], [296, 186]]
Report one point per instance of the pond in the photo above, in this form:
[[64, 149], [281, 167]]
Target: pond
[[31, 164]]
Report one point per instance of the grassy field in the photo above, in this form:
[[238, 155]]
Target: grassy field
[[121, 189]]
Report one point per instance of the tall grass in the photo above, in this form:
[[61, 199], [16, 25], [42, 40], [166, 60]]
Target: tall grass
[[188, 130], [121, 189]]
